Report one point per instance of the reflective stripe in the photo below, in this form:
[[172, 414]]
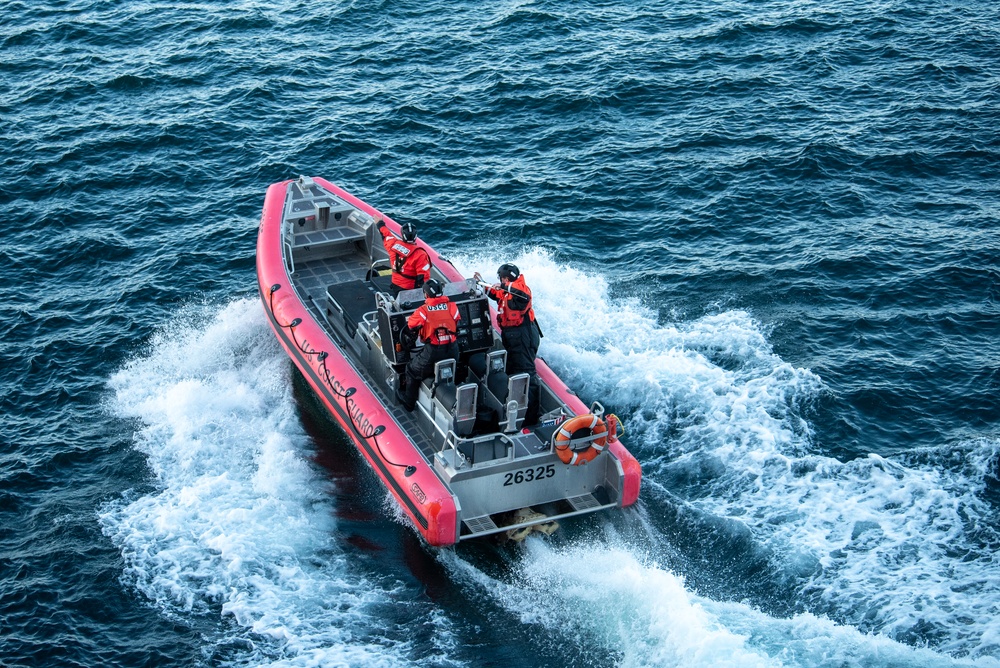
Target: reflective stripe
[[437, 321], [404, 259]]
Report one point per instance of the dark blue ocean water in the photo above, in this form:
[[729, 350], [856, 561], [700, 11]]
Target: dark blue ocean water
[[765, 234]]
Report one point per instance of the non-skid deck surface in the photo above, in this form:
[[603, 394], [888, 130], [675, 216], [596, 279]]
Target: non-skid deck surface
[[312, 280]]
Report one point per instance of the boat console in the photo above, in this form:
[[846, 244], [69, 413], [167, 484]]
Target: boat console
[[474, 330], [472, 390]]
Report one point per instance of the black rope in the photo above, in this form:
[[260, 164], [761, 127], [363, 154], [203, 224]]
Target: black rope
[[294, 323], [270, 300], [326, 373], [290, 326], [409, 469]]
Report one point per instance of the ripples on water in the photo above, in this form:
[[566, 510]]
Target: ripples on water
[[780, 219]]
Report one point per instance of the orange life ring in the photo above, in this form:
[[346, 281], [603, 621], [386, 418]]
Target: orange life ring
[[593, 425]]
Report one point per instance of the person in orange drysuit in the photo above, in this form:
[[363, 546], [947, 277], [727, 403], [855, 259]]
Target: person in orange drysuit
[[411, 266], [519, 331], [436, 324]]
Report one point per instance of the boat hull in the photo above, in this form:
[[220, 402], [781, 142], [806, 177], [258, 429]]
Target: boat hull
[[421, 495], [419, 490]]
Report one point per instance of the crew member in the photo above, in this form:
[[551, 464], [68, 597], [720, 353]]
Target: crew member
[[518, 330], [411, 266], [436, 324]]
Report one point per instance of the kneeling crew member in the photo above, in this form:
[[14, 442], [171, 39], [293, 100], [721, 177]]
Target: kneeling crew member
[[411, 266], [436, 323], [518, 330]]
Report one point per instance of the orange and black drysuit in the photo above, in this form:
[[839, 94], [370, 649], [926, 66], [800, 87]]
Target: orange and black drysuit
[[436, 323], [520, 335], [411, 265]]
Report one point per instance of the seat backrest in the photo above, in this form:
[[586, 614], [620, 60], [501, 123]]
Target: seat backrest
[[488, 371], [496, 362], [456, 405], [464, 412], [506, 395], [444, 372], [516, 402]]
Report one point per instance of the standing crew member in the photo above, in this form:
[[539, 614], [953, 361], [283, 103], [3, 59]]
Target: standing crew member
[[518, 330], [411, 266], [436, 323]]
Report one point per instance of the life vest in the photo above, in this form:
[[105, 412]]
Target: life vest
[[409, 261], [437, 320], [506, 315]]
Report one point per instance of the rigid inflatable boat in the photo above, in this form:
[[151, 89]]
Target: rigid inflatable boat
[[463, 464]]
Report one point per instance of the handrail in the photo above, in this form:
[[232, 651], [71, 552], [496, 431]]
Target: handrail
[[452, 440]]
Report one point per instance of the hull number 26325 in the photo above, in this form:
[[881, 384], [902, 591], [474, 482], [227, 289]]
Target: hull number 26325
[[527, 475]]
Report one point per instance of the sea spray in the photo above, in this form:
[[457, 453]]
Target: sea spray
[[720, 422], [238, 523]]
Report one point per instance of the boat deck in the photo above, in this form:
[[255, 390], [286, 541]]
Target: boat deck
[[311, 280]]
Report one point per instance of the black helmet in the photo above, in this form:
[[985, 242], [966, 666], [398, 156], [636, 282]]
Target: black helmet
[[508, 271], [409, 232], [432, 288]]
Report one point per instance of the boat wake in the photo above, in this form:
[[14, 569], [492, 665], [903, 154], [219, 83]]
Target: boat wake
[[608, 595], [748, 548], [902, 547], [236, 523]]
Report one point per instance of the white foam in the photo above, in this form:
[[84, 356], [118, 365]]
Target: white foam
[[886, 546], [239, 523], [604, 594]]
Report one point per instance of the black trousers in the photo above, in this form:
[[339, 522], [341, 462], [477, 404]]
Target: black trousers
[[422, 366], [521, 344], [394, 289]]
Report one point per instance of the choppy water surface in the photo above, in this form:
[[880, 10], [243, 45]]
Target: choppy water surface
[[765, 234]]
